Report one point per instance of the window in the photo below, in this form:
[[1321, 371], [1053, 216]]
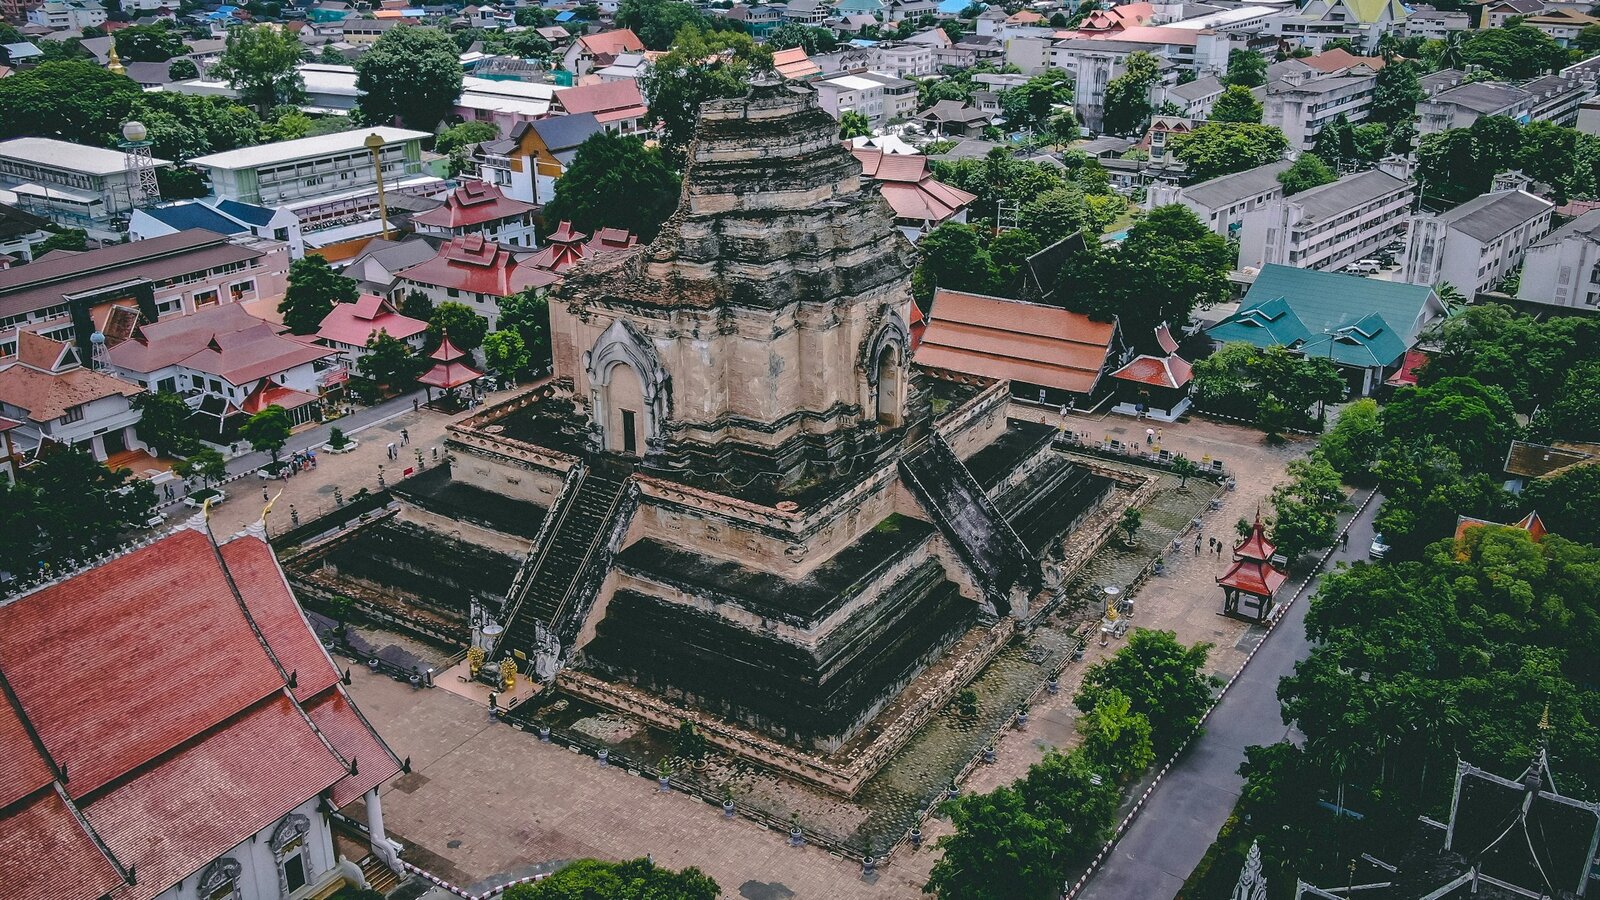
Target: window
[[280, 234], [220, 881], [288, 845], [452, 292], [242, 289], [73, 414], [205, 298]]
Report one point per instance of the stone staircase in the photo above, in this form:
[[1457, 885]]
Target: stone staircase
[[553, 590], [378, 875], [987, 543]]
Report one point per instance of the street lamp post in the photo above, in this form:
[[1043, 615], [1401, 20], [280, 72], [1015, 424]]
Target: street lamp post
[[374, 142]]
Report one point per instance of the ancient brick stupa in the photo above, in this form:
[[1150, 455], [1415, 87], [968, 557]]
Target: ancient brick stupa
[[743, 500]]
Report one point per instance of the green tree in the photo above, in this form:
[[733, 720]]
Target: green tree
[[183, 126], [286, 124], [1056, 213], [1009, 251], [1515, 51], [1030, 105], [1001, 850], [699, 67], [332, 55], [182, 69], [465, 327], [1246, 68], [793, 34], [1237, 104], [1351, 445], [1574, 413], [1127, 99], [206, 464], [954, 258], [1116, 738], [1565, 502], [67, 506], [616, 181], [260, 63], [1397, 93], [1222, 148], [528, 314], [1306, 508], [1588, 39], [457, 142], [637, 879], [164, 423], [411, 73], [390, 361], [853, 125], [73, 240], [1525, 357], [419, 306], [313, 290], [71, 100], [1162, 680], [1473, 421], [1069, 789], [268, 430], [1307, 172], [148, 43], [1169, 264], [1130, 521], [658, 22], [505, 353]]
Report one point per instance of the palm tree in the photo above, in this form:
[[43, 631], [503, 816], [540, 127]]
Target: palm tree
[[1454, 301], [1452, 56]]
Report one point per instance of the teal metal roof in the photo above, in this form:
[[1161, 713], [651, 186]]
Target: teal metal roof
[[1362, 322]]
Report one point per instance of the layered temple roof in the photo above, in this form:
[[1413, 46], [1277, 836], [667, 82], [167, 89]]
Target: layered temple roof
[[774, 211]]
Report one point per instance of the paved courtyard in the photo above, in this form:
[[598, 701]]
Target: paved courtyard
[[486, 802]]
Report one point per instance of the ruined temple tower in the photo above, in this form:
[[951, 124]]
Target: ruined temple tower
[[742, 499], [763, 333]]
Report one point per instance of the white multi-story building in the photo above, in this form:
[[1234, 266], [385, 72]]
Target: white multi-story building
[[72, 185], [1556, 98], [73, 15], [1563, 267], [1476, 244], [1326, 227], [1222, 203], [903, 60], [1320, 21], [1301, 100], [1194, 99], [1436, 25], [881, 98], [324, 178], [1094, 61], [54, 399]]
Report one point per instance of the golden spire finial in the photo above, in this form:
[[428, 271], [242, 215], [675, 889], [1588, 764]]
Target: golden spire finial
[[1544, 720], [114, 63]]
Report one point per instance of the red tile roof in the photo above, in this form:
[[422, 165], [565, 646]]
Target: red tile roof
[[906, 183], [1255, 546], [608, 100], [1409, 364], [473, 203], [794, 64], [190, 744], [223, 340], [449, 375], [1010, 339], [49, 856], [1258, 579], [621, 40], [48, 395], [470, 263], [356, 323], [40, 352], [1160, 371]]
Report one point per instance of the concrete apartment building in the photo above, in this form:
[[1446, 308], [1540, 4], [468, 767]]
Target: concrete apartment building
[[904, 60], [69, 297], [1222, 203], [322, 179], [881, 98], [1556, 98], [1563, 267], [73, 15], [1436, 25], [1476, 244], [1463, 104], [1301, 99], [1320, 21], [72, 185], [1327, 227]]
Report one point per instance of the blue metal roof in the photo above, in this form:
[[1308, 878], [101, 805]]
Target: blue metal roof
[[247, 213], [566, 16], [193, 215]]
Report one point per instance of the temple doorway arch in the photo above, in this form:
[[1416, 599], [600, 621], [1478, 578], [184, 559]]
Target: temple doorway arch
[[623, 429], [887, 397], [627, 390]]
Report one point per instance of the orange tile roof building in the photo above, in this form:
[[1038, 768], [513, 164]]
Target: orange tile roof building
[[49, 397], [921, 203], [204, 762], [1050, 355]]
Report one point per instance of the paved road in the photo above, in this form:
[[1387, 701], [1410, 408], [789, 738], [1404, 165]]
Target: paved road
[[1185, 813]]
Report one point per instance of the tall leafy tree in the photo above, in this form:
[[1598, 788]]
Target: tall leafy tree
[[1514, 51], [67, 506], [1307, 172], [1246, 68], [810, 39], [1565, 502], [465, 328], [389, 361], [1306, 507], [148, 43], [658, 22], [313, 290], [1236, 104], [72, 100], [1160, 677], [1001, 850], [528, 314], [953, 257], [616, 181], [1352, 444], [701, 66], [1056, 213], [505, 353], [260, 62], [411, 73], [853, 125], [164, 423], [1222, 148], [1032, 104], [183, 126], [182, 69], [1169, 264], [1127, 98], [1116, 738], [1397, 93], [267, 431]]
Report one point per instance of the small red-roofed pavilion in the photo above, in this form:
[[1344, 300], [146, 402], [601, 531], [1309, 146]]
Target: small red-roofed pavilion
[[450, 370], [1251, 583]]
